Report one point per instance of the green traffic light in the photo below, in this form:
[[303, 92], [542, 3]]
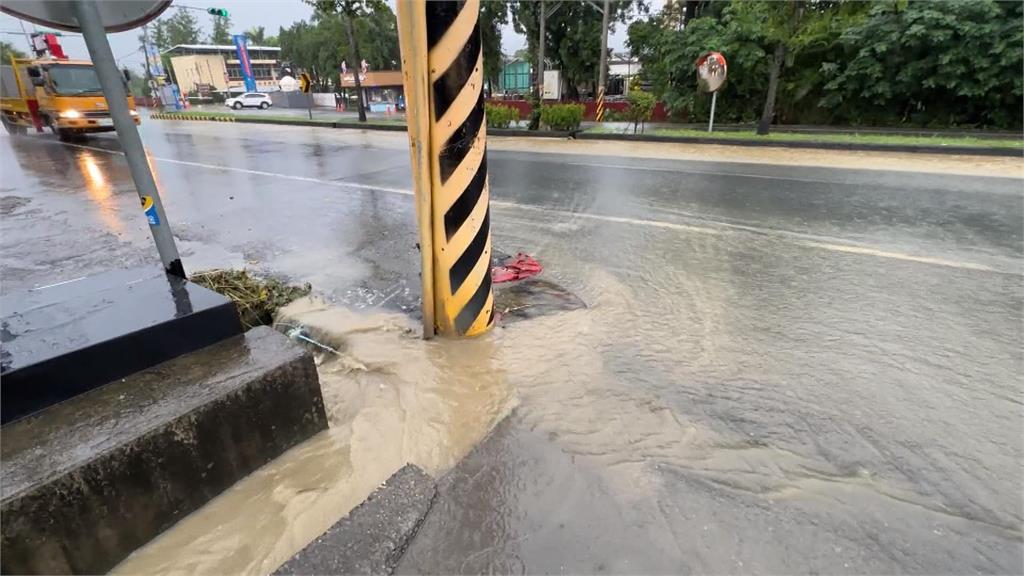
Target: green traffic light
[[218, 12]]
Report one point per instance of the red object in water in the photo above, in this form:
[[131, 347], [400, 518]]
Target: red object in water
[[517, 268]]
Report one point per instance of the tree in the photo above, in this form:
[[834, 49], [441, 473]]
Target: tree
[[949, 64], [641, 107], [493, 15], [780, 22], [572, 36], [221, 30], [181, 28], [7, 50], [257, 35], [158, 35], [885, 63], [315, 45]]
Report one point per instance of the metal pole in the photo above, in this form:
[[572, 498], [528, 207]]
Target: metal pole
[[711, 121], [117, 101], [412, 33], [442, 67], [603, 73], [149, 72], [540, 55], [31, 47]]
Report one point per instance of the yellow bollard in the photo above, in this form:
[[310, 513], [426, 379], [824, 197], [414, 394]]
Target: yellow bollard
[[442, 66]]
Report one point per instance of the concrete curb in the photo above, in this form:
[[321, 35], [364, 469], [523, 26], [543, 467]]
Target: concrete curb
[[88, 481], [373, 537], [582, 135]]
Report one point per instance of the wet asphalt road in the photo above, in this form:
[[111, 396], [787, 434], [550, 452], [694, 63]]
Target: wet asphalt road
[[781, 369]]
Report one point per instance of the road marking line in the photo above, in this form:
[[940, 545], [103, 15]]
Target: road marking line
[[57, 284], [702, 172], [718, 228]]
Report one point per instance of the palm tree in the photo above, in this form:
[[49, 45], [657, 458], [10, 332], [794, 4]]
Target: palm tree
[[257, 35]]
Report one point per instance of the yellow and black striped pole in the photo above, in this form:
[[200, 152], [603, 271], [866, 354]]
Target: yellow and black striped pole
[[442, 66], [599, 114]]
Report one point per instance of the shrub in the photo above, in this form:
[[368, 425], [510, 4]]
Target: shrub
[[499, 116], [562, 116], [641, 107]]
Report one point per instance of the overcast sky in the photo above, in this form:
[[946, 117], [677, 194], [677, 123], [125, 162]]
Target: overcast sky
[[271, 14]]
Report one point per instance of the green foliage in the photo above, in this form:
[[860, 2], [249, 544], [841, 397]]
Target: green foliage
[[257, 36], [493, 15], [499, 116], [641, 106], [221, 30], [562, 116], [954, 63], [7, 50], [573, 36], [181, 28], [320, 46], [138, 86], [914, 62]]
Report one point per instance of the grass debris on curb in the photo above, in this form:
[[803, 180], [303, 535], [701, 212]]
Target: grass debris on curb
[[257, 299], [846, 138]]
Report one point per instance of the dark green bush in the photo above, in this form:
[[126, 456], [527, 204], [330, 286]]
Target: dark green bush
[[562, 116], [499, 116]]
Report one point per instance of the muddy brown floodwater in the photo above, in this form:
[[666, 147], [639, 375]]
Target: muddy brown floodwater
[[790, 361], [391, 398]]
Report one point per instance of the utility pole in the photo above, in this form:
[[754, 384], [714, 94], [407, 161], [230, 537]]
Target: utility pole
[[149, 72], [602, 76], [540, 55]]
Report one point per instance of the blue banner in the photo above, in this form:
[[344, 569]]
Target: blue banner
[[244, 63], [153, 57], [176, 96]]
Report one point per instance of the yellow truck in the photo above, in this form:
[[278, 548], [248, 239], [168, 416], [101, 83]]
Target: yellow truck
[[66, 95]]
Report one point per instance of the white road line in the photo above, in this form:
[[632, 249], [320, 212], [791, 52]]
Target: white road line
[[57, 284], [702, 172], [718, 228]]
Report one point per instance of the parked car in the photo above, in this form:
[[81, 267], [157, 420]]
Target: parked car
[[249, 100]]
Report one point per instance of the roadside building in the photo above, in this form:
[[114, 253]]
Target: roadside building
[[515, 79], [381, 89], [196, 66], [623, 68]]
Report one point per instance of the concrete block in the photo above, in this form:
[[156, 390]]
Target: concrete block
[[372, 538], [86, 482], [100, 329]]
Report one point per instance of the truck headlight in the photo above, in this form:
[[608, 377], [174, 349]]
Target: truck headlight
[[71, 114]]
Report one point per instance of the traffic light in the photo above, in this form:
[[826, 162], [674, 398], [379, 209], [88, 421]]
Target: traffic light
[[217, 12]]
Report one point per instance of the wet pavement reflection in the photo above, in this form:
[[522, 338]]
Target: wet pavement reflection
[[779, 368]]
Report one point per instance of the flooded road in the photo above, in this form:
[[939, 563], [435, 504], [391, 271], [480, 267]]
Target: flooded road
[[781, 368]]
